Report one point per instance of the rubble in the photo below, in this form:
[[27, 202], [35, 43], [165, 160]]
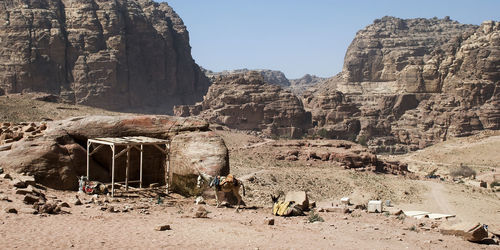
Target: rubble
[[468, 231]]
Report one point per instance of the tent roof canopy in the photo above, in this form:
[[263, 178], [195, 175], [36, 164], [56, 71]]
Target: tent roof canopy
[[128, 140]]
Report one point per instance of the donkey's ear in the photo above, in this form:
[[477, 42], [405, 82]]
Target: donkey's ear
[[274, 198]]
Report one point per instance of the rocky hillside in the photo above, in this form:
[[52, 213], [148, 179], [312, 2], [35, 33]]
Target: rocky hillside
[[116, 54], [407, 84], [248, 102], [298, 86], [270, 76]]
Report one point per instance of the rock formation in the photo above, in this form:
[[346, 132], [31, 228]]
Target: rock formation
[[270, 76], [247, 102], [407, 84], [117, 54], [58, 157], [348, 154], [298, 86]]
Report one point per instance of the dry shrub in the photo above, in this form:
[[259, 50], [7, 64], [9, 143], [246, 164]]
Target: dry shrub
[[463, 171]]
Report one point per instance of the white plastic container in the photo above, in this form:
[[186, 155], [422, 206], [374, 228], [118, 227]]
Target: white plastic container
[[375, 206], [345, 201]]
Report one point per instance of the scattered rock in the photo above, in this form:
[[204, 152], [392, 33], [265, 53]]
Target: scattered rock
[[64, 204], [269, 221], [469, 231], [201, 212], [24, 191], [11, 210], [112, 209], [18, 183], [27, 210], [30, 199], [5, 176], [341, 210], [48, 208], [76, 201], [29, 180], [163, 228], [5, 198]]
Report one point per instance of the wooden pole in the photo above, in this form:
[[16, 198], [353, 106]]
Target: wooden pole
[[140, 168], [113, 171], [167, 149], [88, 160], [127, 167]]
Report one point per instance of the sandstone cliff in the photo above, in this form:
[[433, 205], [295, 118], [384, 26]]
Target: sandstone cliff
[[114, 54], [246, 101], [407, 84]]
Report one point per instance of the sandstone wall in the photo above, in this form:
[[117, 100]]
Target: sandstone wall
[[113, 54], [407, 84]]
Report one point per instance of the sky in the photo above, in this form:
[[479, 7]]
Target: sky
[[300, 37]]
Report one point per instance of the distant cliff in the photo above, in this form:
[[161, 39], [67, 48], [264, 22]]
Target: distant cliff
[[114, 54], [409, 83]]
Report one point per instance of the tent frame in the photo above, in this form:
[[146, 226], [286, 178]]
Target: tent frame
[[129, 142]]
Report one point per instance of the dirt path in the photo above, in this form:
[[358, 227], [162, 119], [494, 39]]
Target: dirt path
[[440, 197]]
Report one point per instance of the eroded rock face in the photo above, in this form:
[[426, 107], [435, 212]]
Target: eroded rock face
[[407, 51], [411, 83], [270, 76], [194, 153], [119, 55], [246, 101], [58, 157]]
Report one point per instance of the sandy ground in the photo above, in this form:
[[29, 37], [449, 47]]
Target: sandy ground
[[252, 159], [89, 227]]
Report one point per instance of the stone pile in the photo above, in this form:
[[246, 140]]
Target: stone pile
[[11, 132], [32, 195]]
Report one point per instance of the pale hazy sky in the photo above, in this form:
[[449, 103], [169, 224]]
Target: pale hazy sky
[[300, 37]]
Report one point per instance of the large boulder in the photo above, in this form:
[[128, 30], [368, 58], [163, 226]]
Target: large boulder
[[58, 157], [195, 153]]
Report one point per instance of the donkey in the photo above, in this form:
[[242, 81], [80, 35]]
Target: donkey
[[226, 184]]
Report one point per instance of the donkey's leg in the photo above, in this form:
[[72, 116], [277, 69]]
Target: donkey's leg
[[216, 198], [236, 192]]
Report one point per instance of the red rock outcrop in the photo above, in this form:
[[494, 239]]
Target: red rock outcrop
[[116, 54], [247, 102], [350, 155], [58, 157]]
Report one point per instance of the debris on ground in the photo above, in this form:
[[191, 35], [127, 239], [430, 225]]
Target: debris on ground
[[201, 212], [474, 232], [299, 198], [163, 228]]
